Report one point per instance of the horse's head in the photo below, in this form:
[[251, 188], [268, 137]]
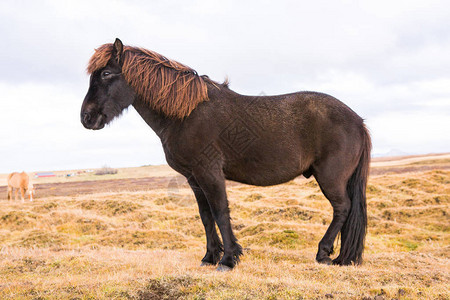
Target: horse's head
[[109, 94]]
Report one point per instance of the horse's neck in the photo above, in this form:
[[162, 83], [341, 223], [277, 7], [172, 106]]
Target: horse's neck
[[155, 120], [162, 124]]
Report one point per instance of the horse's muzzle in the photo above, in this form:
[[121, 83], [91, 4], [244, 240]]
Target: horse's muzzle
[[92, 121]]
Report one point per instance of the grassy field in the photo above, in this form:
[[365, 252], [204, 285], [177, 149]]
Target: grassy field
[[147, 244]]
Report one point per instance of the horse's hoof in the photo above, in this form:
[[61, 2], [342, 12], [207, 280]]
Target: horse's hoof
[[223, 268], [342, 263], [206, 264], [325, 261]]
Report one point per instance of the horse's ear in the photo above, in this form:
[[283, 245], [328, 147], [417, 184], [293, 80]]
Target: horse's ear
[[118, 50]]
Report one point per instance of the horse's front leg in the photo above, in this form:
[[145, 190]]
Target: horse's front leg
[[212, 183], [214, 247], [22, 194]]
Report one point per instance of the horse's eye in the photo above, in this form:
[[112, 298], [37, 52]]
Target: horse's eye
[[105, 74]]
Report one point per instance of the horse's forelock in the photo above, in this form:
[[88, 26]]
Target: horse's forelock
[[100, 58]]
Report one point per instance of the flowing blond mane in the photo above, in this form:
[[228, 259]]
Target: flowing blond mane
[[167, 86]]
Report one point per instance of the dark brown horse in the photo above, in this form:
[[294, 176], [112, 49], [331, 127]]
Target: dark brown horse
[[210, 133]]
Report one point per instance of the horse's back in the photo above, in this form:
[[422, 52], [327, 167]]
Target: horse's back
[[304, 123], [272, 139], [18, 180]]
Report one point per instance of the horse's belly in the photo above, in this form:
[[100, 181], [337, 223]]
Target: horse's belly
[[263, 174]]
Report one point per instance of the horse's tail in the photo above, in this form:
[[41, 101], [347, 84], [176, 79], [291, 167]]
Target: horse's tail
[[354, 230]]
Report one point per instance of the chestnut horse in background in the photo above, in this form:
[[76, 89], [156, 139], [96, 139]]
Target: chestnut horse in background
[[20, 181]]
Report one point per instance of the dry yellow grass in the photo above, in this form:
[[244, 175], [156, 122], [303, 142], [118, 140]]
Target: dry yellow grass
[[148, 244]]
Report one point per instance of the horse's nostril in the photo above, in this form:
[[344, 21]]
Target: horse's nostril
[[86, 117]]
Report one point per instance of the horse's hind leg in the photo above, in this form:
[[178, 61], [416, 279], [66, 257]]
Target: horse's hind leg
[[214, 246], [10, 192], [332, 176]]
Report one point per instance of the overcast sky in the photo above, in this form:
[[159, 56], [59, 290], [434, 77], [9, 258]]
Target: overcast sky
[[388, 60]]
